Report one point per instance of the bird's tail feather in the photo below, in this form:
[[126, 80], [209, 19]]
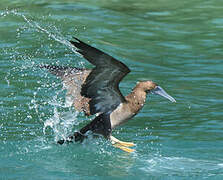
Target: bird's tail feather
[[61, 71]]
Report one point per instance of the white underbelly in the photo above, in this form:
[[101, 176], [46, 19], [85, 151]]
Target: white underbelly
[[120, 115]]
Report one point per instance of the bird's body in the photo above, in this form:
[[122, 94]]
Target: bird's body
[[96, 91]]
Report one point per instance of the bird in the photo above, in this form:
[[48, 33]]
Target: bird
[[96, 92]]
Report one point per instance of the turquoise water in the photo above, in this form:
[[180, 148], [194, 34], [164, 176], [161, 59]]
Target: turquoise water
[[174, 43]]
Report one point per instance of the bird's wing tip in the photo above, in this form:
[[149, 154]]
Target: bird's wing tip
[[78, 40]]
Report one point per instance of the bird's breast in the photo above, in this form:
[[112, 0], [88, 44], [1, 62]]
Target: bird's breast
[[120, 115]]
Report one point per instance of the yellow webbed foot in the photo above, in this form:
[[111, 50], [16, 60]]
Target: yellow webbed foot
[[122, 145], [126, 144], [115, 141], [126, 149]]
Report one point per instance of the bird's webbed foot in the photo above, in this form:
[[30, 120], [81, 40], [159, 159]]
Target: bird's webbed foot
[[122, 145]]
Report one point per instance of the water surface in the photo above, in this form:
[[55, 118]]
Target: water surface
[[176, 44]]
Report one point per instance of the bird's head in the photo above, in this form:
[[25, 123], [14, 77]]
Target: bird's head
[[153, 88]]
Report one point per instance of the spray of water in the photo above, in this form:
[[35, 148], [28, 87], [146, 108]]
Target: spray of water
[[35, 25], [61, 123]]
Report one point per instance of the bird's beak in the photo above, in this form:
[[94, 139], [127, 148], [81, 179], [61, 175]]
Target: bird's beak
[[160, 91]]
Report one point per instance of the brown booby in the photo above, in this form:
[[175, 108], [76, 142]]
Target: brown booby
[[96, 92]]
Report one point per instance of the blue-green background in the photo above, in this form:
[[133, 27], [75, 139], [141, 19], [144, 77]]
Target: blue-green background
[[177, 44]]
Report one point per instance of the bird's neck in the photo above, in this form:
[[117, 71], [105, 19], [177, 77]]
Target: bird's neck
[[125, 111], [136, 99]]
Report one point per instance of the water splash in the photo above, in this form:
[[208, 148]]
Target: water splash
[[37, 27], [61, 123]]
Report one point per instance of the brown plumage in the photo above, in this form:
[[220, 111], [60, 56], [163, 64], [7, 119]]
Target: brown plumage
[[97, 92]]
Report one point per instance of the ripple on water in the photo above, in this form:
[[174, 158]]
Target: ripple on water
[[181, 166]]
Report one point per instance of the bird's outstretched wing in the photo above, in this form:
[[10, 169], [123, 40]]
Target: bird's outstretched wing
[[102, 84]]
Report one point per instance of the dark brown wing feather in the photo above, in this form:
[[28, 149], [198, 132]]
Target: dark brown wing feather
[[102, 84]]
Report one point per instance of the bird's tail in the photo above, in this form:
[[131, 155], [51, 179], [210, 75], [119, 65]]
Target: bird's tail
[[61, 71]]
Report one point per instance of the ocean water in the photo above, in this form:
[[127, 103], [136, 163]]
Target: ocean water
[[177, 44]]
